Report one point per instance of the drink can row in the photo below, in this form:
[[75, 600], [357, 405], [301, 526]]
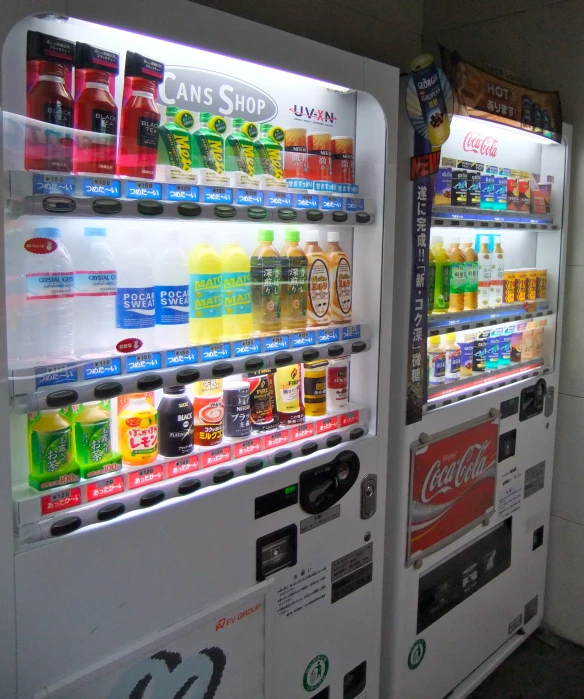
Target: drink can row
[[319, 156], [525, 284]]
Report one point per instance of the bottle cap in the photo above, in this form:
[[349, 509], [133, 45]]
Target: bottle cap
[[311, 236], [450, 337], [333, 236], [435, 340], [265, 235], [437, 239], [484, 240], [234, 391], [174, 390], [97, 76], [264, 128], [47, 232], [455, 240], [291, 235], [48, 68], [498, 240], [237, 122], [204, 117], [97, 232], [143, 85]]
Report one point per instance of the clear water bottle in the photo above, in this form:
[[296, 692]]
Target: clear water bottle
[[45, 323], [135, 292], [95, 295], [172, 295]]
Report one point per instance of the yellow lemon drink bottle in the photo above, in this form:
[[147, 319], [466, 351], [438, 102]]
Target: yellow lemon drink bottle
[[138, 431], [205, 294], [235, 270]]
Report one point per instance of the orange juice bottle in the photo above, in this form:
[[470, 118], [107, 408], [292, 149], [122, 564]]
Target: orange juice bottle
[[319, 286], [138, 431], [457, 277]]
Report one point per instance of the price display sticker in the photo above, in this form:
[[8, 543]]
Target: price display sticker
[[250, 197], [275, 343], [101, 187], [302, 431], [63, 500], [279, 199], [331, 203], [216, 456], [218, 195], [322, 186], [182, 192], [52, 375], [327, 424], [328, 335], [53, 184], [105, 488], [306, 201], [187, 355], [276, 439], [351, 418], [145, 476], [102, 367], [250, 446], [303, 339], [179, 467], [210, 353], [245, 347], [142, 362], [354, 204], [143, 190], [351, 332]]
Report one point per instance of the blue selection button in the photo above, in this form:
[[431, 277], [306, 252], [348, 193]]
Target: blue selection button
[[178, 357], [143, 362], [102, 367], [52, 375], [210, 353], [101, 187], [143, 190], [245, 347], [278, 342], [182, 192]]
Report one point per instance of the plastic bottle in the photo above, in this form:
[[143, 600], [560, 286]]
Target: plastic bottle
[[431, 280], [289, 395], [451, 357], [49, 101], [442, 282], [268, 152], [139, 131], [46, 319], [340, 280], [457, 277], [436, 361], [319, 287], [96, 112], [92, 434], [293, 296], [239, 149], [171, 294], [235, 270], [175, 422], [96, 281], [266, 280], [175, 145], [471, 277], [208, 144], [50, 447], [138, 431], [205, 293], [497, 285], [135, 305], [484, 273]]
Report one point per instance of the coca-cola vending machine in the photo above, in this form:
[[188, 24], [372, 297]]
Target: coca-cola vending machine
[[473, 433]]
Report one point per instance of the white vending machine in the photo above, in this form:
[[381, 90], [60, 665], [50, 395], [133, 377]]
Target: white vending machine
[[467, 528], [198, 239]]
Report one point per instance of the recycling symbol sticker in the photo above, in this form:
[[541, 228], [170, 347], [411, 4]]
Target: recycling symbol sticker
[[315, 673], [416, 654]]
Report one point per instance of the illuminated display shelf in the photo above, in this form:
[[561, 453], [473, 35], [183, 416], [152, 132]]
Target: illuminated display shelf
[[61, 510], [469, 320], [468, 387], [59, 385], [469, 217], [77, 196]]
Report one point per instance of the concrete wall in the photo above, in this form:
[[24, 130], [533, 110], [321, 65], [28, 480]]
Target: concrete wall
[[542, 41], [386, 30]]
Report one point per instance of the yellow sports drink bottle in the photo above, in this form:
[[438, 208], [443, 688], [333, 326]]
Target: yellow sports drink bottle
[[205, 294]]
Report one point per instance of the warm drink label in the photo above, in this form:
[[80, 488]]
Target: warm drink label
[[437, 367], [142, 441], [104, 121], [452, 364], [457, 278], [147, 132], [206, 295], [319, 292], [172, 305], [58, 113], [135, 308], [236, 293], [99, 283], [49, 285]]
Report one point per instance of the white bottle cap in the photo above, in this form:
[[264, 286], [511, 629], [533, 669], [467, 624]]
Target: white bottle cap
[[498, 239], [232, 238], [437, 239], [455, 240], [312, 236], [333, 236], [484, 240], [204, 237]]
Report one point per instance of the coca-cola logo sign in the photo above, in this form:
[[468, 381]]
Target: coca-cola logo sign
[[452, 485], [481, 145]]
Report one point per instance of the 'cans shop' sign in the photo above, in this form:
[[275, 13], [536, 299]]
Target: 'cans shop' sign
[[452, 484], [205, 91]]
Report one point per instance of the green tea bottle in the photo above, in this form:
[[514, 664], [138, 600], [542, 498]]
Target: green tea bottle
[[266, 281]]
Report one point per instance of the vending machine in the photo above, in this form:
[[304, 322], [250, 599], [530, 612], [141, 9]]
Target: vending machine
[[197, 249], [473, 445]]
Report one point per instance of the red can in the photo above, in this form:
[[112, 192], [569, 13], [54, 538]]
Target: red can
[[343, 152], [295, 154], [320, 162]]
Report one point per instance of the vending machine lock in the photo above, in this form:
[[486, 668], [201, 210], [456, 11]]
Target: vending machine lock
[[368, 496], [325, 485]]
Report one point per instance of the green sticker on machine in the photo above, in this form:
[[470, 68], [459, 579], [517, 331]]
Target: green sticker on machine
[[315, 673], [416, 654]]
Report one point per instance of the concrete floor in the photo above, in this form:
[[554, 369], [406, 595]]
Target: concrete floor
[[539, 669]]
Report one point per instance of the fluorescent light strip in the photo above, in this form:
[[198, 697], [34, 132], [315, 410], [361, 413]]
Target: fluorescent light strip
[[520, 133]]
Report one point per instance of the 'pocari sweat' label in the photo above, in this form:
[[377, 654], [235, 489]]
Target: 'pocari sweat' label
[[101, 283], [206, 295], [49, 285], [236, 293], [172, 305], [135, 308]]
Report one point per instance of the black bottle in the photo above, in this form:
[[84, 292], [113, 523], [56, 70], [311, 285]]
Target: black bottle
[[175, 423]]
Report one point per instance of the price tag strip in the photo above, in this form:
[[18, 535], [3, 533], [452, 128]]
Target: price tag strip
[[127, 486]]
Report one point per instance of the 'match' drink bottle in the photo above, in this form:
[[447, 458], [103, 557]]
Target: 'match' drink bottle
[[429, 88], [268, 152]]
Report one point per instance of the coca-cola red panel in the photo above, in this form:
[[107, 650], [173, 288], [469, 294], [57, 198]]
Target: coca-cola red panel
[[452, 485]]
